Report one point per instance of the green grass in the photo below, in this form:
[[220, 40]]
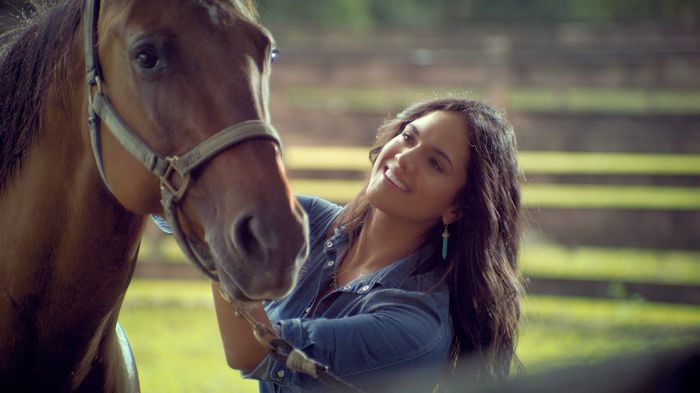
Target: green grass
[[382, 99], [561, 331], [173, 332], [356, 159], [545, 195]]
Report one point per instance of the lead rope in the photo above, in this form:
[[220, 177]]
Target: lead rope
[[285, 353]]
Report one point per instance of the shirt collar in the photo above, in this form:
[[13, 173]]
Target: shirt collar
[[390, 276]]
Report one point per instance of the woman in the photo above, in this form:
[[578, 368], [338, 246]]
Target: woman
[[418, 272]]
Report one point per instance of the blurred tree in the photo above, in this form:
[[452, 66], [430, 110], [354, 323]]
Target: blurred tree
[[344, 14], [448, 14], [456, 13], [406, 13], [437, 14]]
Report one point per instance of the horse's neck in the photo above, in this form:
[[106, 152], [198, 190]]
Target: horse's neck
[[67, 247]]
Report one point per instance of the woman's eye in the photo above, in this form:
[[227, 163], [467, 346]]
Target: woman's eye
[[406, 136], [146, 60], [274, 55], [435, 164]]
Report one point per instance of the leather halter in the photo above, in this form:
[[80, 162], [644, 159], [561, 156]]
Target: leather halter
[[164, 167]]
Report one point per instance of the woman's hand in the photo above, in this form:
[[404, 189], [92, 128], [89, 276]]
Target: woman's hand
[[242, 349]]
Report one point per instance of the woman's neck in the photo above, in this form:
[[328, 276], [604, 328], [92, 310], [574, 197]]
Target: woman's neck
[[382, 240]]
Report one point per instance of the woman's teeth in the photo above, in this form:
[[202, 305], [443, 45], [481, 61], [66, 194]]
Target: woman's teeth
[[395, 180]]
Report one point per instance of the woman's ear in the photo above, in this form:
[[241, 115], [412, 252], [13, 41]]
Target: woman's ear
[[451, 215]]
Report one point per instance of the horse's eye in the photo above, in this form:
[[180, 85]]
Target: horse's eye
[[274, 55], [146, 60]]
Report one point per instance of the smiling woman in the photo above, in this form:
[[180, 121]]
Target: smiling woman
[[417, 275]]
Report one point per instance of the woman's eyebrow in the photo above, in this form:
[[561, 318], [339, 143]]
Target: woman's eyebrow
[[437, 150]]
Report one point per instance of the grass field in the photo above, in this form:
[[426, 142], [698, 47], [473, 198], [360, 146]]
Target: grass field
[[172, 329]]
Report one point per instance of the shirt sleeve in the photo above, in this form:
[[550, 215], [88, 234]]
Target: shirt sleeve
[[402, 336]]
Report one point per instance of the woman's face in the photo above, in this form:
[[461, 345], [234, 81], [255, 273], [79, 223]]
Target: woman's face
[[417, 174]]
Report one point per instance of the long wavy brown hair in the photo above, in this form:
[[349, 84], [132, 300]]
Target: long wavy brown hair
[[482, 274]]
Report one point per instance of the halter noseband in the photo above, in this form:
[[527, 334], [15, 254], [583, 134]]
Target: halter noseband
[[164, 167]]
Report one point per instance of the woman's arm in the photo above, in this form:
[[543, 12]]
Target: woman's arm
[[397, 335], [242, 349]]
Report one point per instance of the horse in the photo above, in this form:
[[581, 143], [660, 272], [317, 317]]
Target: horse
[[110, 112]]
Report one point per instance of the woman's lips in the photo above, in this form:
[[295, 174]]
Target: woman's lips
[[393, 179]]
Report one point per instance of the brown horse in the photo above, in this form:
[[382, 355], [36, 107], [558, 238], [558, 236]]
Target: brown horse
[[163, 78]]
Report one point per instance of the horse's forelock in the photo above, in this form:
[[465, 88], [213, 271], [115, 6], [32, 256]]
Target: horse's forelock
[[246, 7], [252, 9]]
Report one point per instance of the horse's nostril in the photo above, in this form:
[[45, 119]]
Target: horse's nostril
[[245, 239]]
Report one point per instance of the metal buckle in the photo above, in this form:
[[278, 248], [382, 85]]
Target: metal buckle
[[165, 179]]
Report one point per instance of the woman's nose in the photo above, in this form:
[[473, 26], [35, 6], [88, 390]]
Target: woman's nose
[[403, 159]]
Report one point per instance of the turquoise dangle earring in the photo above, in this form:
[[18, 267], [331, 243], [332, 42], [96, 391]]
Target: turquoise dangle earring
[[445, 236]]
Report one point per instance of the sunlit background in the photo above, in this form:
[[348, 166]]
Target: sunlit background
[[605, 100]]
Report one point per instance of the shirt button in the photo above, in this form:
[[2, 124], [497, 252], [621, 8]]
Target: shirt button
[[329, 244], [330, 263], [307, 310], [280, 373], [347, 287], [365, 288]]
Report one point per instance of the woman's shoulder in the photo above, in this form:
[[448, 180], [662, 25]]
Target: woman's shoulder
[[314, 204], [321, 212]]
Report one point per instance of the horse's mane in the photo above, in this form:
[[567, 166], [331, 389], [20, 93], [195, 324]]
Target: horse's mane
[[30, 55]]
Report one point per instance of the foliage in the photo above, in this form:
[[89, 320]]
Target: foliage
[[451, 14]]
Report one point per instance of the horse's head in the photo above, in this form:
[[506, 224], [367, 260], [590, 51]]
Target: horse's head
[[178, 72]]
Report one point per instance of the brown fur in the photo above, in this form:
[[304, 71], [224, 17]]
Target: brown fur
[[68, 244]]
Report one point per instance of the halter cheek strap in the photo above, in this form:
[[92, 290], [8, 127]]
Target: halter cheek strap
[[166, 168]]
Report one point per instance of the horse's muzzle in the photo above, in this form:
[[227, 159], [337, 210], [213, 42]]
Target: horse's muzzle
[[272, 250]]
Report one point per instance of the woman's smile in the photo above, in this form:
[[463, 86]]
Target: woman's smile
[[391, 177]]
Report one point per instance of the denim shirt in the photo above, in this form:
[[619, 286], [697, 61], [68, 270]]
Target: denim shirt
[[383, 332]]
